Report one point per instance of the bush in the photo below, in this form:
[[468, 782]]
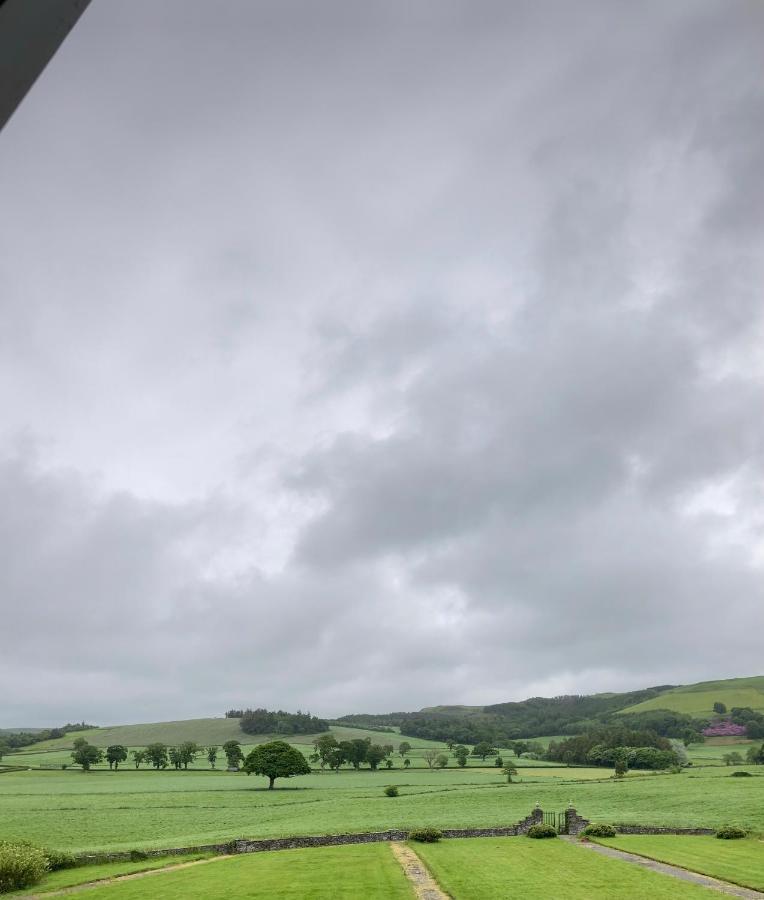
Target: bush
[[21, 866], [391, 791], [138, 855], [60, 859], [599, 831], [425, 835], [542, 831], [740, 775], [731, 833]]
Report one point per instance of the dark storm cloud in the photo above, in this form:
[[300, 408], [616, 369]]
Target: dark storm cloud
[[413, 342]]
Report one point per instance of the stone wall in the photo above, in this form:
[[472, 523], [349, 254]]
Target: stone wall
[[574, 823], [623, 828]]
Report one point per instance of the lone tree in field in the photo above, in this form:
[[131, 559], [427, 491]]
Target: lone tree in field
[[212, 755], [86, 755], [115, 755], [720, 708], [139, 756], [276, 760], [509, 770], [403, 748]]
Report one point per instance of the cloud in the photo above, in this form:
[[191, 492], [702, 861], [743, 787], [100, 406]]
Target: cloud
[[381, 358]]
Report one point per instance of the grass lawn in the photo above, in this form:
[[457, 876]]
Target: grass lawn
[[124, 810], [83, 874], [741, 862], [504, 868], [350, 873]]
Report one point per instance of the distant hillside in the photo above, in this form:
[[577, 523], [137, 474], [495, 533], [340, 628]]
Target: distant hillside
[[681, 708], [204, 731], [698, 699]]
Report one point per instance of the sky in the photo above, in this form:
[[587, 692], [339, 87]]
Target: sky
[[362, 357]]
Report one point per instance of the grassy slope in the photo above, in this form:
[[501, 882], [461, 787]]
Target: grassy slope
[[741, 862], [123, 810], [483, 868], [206, 732], [327, 873], [698, 699]]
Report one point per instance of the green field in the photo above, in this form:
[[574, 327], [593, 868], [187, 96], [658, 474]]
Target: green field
[[741, 862], [65, 878], [698, 699], [504, 868], [127, 809], [369, 871]]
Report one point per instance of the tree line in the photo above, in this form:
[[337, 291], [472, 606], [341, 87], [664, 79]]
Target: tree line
[[264, 721]]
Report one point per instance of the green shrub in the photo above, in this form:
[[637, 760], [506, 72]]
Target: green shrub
[[60, 859], [599, 831], [391, 791], [138, 855], [21, 865], [740, 774], [425, 835], [542, 831], [731, 833]]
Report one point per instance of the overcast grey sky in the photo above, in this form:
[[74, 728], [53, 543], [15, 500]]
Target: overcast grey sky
[[362, 356]]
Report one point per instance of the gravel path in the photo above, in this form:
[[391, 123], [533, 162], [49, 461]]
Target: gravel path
[[675, 871], [424, 884]]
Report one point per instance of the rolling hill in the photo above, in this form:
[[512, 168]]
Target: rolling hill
[[698, 699]]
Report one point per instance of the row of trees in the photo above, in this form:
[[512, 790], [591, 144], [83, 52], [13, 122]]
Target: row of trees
[[157, 755]]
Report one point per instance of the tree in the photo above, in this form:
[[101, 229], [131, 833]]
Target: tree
[[388, 763], [719, 708], [499, 762], [509, 770], [732, 759], [430, 756], [174, 755], [441, 760], [336, 758], [115, 755], [78, 742], [355, 751], [621, 764], [212, 756], [404, 748], [187, 752], [374, 755], [86, 755], [519, 747], [461, 757], [755, 755], [406, 763], [276, 759], [139, 756], [483, 749], [324, 745], [156, 754], [233, 754]]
